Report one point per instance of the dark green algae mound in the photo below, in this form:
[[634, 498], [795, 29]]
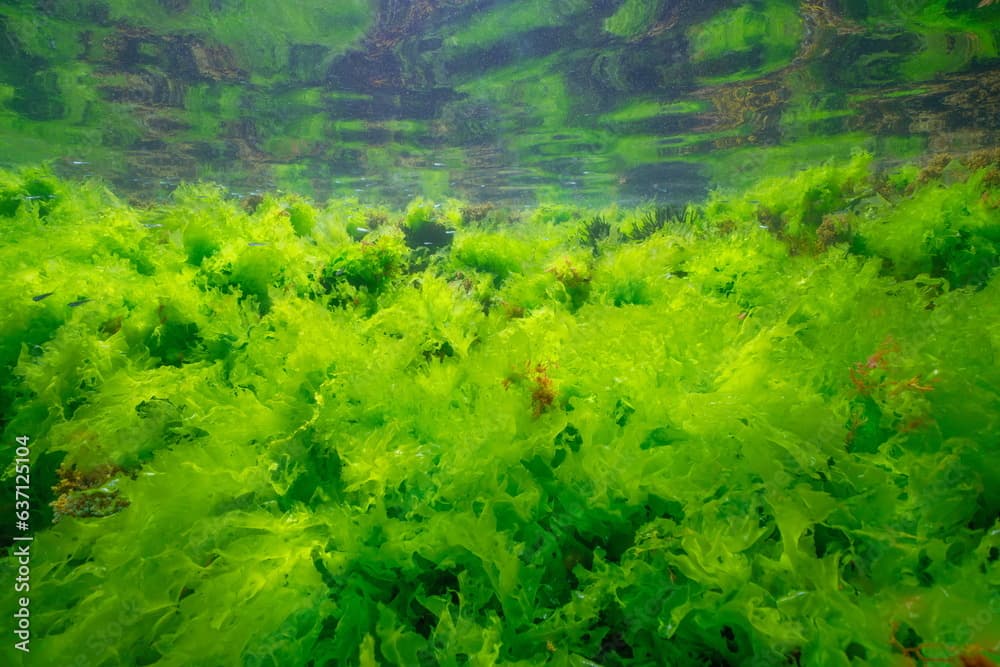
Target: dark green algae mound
[[757, 431]]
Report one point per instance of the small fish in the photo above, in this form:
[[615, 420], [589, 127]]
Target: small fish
[[74, 304], [152, 225], [255, 244], [363, 230], [42, 296]]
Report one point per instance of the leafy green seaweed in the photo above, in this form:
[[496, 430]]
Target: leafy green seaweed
[[761, 431]]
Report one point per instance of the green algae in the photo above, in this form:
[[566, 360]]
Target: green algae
[[633, 18], [262, 35], [769, 35], [754, 430], [507, 21], [639, 110]]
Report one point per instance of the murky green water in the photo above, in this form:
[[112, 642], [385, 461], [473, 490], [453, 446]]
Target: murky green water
[[513, 101]]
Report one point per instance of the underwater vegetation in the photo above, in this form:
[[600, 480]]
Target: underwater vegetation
[[756, 430]]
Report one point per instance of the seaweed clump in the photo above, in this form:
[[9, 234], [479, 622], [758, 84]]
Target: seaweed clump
[[756, 430], [88, 494]]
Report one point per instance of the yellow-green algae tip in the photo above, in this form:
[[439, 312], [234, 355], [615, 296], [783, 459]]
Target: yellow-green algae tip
[[755, 430]]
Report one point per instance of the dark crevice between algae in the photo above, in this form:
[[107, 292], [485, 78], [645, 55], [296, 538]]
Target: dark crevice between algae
[[758, 429]]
